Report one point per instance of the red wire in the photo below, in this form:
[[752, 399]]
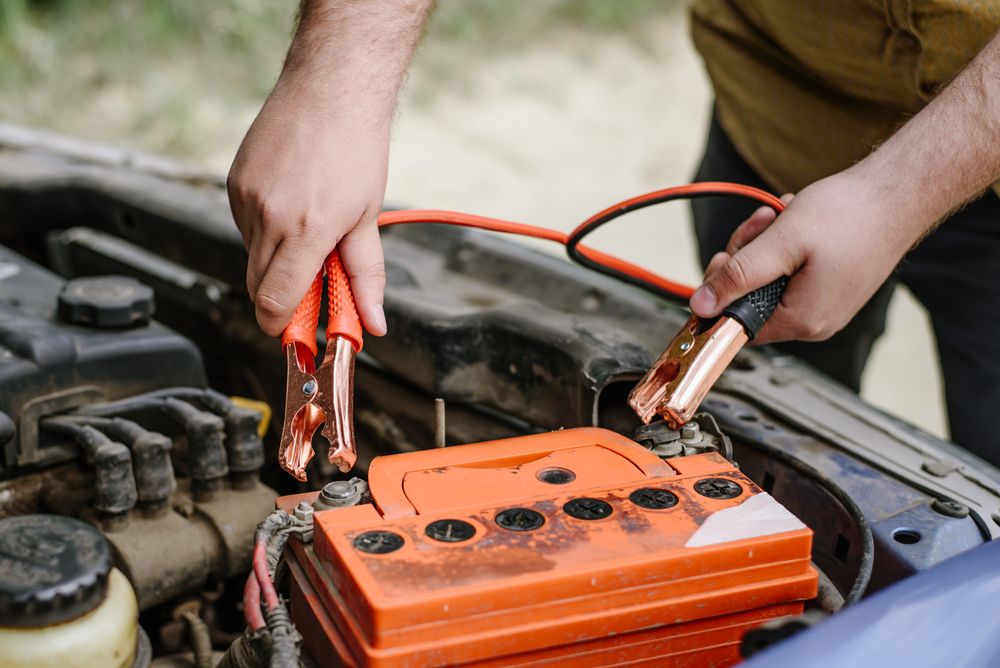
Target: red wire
[[251, 603], [405, 217], [263, 577]]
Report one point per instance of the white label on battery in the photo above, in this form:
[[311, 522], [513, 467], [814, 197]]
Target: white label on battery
[[760, 515]]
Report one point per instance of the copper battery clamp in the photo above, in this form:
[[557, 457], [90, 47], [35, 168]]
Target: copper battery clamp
[[324, 395], [678, 381]]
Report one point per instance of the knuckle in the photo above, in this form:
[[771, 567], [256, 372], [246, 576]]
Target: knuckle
[[375, 272], [268, 307], [814, 330], [233, 185], [734, 273], [266, 211]]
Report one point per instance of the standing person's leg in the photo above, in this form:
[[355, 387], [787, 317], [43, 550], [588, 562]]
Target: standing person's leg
[[955, 273], [843, 356]]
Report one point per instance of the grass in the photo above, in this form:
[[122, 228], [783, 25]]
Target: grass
[[185, 77]]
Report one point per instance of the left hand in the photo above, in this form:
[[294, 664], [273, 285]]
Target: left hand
[[838, 240]]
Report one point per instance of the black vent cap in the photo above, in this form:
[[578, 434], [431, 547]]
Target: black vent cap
[[53, 569], [106, 301]]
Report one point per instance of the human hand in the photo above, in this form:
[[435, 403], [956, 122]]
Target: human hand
[[838, 240], [310, 176]]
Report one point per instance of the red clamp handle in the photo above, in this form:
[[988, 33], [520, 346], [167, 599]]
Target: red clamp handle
[[343, 313], [344, 320]]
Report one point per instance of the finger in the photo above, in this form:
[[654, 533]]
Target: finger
[[751, 228], [361, 251], [289, 274], [781, 326], [716, 262], [258, 259], [757, 264]]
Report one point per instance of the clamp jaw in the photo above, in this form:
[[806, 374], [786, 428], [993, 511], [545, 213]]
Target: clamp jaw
[[678, 381], [324, 395]]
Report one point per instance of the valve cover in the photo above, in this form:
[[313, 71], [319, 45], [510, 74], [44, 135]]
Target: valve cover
[[578, 547]]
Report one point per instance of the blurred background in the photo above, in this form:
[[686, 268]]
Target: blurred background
[[541, 111]]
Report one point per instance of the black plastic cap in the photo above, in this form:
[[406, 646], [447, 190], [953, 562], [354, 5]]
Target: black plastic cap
[[753, 310], [106, 301], [53, 569]]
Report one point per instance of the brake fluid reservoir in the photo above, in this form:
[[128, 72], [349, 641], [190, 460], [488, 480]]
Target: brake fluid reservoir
[[61, 602]]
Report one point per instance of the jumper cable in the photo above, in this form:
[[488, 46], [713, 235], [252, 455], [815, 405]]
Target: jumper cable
[[673, 388]]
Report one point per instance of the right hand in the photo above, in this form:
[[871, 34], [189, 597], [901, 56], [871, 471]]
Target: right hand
[[838, 240], [310, 176]]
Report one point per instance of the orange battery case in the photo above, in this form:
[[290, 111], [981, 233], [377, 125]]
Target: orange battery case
[[633, 560]]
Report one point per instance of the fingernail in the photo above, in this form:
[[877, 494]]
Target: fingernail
[[378, 321], [703, 301]]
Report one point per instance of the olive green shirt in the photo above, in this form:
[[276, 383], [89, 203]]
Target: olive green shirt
[[806, 88]]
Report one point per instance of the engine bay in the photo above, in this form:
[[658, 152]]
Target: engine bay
[[526, 518]]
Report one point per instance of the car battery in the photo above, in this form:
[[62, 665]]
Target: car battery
[[570, 548]]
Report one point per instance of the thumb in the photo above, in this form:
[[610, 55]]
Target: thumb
[[753, 266]]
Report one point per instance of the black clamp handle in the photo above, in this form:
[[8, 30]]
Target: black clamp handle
[[753, 310]]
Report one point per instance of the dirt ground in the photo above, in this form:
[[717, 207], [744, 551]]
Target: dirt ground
[[553, 133]]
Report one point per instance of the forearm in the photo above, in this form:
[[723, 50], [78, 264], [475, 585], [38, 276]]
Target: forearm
[[352, 55], [946, 154]]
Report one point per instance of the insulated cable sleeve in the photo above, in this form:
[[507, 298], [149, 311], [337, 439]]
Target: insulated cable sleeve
[[646, 279], [753, 310], [593, 259], [343, 312], [577, 253], [251, 603]]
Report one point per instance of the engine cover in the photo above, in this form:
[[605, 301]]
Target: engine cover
[[578, 547]]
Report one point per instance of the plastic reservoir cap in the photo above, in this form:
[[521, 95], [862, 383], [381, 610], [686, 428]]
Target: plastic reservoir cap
[[106, 301], [52, 569]]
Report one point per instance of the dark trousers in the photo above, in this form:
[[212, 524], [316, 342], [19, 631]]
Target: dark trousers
[[954, 273]]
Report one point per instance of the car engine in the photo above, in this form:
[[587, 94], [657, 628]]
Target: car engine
[[507, 507]]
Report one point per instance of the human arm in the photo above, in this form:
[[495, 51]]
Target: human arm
[[311, 172], [841, 237]]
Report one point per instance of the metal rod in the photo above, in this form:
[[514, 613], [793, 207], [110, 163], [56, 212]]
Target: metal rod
[[439, 423]]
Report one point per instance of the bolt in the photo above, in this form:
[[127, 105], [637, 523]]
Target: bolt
[[718, 488], [690, 432], [950, 508], [309, 388], [304, 512], [378, 542], [685, 346], [339, 489], [652, 498], [585, 508], [520, 519], [450, 531]]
